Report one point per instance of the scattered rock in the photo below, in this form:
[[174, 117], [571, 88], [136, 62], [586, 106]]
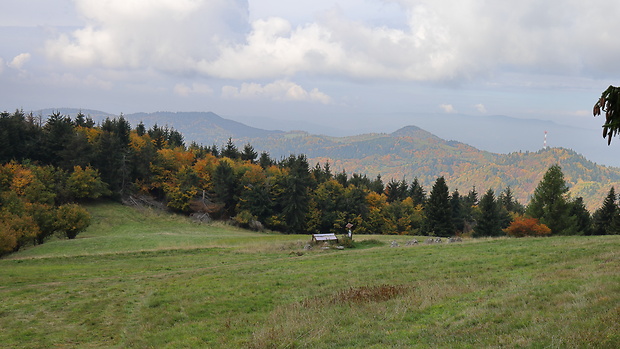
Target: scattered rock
[[200, 217], [256, 225], [394, 244]]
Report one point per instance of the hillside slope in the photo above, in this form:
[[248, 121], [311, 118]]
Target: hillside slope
[[412, 152], [145, 279], [404, 154]]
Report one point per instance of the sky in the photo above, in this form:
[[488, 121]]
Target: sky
[[344, 66]]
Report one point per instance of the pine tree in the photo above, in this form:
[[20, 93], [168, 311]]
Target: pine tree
[[226, 187], [417, 193], [296, 195], [342, 178], [58, 133], [377, 185], [396, 190], [583, 218], [438, 210], [550, 203], [606, 218], [230, 150], [321, 174], [249, 154], [472, 197], [507, 200], [256, 199], [489, 223], [264, 160], [458, 220]]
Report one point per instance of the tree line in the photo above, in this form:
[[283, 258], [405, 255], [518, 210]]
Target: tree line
[[49, 167]]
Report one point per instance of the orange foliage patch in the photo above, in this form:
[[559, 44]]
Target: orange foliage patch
[[523, 226]]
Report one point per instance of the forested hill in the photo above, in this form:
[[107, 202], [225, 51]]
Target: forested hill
[[412, 152], [205, 128], [404, 154]]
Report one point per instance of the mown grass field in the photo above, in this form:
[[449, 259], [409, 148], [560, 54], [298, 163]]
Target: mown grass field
[[141, 279]]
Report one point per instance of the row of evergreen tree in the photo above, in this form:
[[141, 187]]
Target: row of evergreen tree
[[285, 195]]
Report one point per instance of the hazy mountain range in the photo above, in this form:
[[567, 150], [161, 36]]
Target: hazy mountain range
[[403, 154]]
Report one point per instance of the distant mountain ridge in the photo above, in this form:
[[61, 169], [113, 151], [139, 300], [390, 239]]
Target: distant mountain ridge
[[202, 127], [407, 153], [411, 152]]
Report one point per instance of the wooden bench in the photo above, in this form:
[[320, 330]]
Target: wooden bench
[[324, 237]]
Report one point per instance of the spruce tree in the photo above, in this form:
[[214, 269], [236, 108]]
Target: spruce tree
[[438, 210], [396, 190], [458, 220], [226, 187], [295, 198], [606, 218], [264, 160], [416, 192], [489, 223], [249, 154], [583, 218], [550, 203], [377, 185], [230, 150]]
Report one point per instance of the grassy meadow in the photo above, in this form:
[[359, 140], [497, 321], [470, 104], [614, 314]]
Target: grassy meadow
[[143, 279]]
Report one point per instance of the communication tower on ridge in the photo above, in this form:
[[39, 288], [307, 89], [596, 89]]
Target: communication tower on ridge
[[545, 142]]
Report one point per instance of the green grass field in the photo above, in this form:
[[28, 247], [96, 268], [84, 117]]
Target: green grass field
[[141, 279]]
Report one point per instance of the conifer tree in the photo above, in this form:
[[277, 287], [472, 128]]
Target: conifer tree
[[264, 160], [225, 187], [550, 203], [249, 154], [342, 178], [438, 210], [583, 218], [488, 223], [230, 150], [296, 196], [417, 193], [377, 185], [607, 217], [396, 190], [458, 220]]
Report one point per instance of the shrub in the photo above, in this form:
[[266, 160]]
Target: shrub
[[346, 241], [72, 219], [523, 226], [15, 231]]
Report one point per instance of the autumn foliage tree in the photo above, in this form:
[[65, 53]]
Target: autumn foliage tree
[[72, 219], [38, 189], [525, 226]]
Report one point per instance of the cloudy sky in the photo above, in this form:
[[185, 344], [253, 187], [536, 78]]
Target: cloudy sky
[[353, 65]]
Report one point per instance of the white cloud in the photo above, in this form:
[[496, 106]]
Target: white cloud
[[195, 88], [280, 90], [441, 40], [169, 35], [19, 61], [481, 108], [1, 65], [447, 108]]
